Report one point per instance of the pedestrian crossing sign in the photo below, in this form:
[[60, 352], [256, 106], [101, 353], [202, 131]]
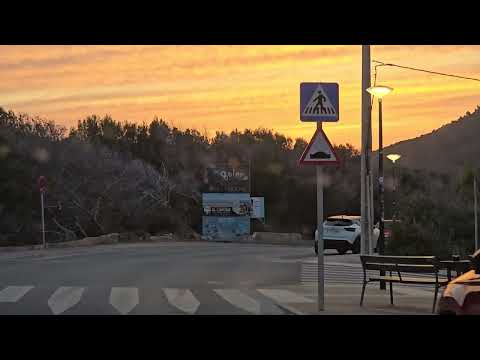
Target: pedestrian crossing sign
[[319, 102]]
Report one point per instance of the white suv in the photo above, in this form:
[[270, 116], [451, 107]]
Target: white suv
[[342, 233]]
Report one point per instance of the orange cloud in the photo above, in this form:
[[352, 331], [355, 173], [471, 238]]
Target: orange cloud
[[227, 87]]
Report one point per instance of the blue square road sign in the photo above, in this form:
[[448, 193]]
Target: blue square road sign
[[319, 101]]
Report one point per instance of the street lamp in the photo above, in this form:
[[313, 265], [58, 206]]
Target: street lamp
[[380, 92], [393, 158]]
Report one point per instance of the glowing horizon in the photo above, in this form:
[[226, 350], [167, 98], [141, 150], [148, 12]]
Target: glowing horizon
[[222, 88]]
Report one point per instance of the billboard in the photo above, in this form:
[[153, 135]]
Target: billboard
[[228, 204], [226, 215], [225, 228], [228, 179]]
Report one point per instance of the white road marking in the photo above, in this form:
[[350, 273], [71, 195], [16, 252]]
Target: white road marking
[[14, 293], [343, 264], [284, 296], [124, 299], [182, 299], [340, 273], [240, 300], [64, 298]]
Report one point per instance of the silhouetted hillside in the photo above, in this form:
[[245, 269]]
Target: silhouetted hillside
[[445, 150]]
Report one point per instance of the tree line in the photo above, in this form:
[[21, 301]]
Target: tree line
[[107, 176]]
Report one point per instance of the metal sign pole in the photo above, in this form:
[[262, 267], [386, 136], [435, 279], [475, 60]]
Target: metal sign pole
[[475, 210], [319, 102], [43, 219], [320, 267]]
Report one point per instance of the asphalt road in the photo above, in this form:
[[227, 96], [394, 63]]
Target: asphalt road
[[161, 278], [166, 278]]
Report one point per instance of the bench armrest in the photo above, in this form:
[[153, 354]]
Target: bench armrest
[[398, 271]]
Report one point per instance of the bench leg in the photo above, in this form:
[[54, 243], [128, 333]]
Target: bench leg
[[363, 292], [435, 299], [391, 293]]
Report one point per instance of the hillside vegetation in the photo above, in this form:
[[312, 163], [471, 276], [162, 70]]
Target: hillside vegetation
[[109, 176], [447, 150]]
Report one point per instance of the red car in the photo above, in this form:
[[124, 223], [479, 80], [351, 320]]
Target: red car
[[462, 295]]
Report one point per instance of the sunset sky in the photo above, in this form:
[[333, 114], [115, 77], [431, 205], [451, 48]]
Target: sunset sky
[[225, 87]]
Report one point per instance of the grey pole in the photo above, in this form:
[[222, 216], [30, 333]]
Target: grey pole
[[394, 192], [320, 269], [43, 220], [365, 162], [477, 245], [381, 237], [370, 214], [370, 181]]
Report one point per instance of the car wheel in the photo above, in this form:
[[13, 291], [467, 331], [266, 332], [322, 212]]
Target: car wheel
[[342, 250], [356, 246]]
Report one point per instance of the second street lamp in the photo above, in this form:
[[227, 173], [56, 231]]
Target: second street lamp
[[380, 92], [393, 158]]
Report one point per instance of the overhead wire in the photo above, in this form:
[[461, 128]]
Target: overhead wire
[[381, 63]]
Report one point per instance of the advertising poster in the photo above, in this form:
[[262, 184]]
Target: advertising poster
[[226, 179], [258, 208], [226, 216], [232, 204], [224, 228]]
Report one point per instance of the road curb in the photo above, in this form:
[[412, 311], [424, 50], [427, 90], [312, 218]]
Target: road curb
[[304, 243], [88, 242], [10, 249]]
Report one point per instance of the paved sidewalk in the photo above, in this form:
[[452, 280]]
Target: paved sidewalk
[[345, 300]]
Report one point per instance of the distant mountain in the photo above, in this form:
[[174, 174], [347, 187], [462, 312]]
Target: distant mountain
[[445, 150]]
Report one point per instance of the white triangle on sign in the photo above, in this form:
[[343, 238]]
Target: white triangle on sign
[[319, 150], [319, 104]]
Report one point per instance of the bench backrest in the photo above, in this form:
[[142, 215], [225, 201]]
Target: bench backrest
[[409, 264]]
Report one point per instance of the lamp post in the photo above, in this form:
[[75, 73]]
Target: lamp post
[[475, 212], [393, 158], [380, 92], [42, 187]]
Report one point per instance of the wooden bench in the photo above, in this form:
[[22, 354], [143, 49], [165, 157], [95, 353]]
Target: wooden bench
[[399, 267]]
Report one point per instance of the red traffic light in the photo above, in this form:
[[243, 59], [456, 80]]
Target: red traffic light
[[42, 183]]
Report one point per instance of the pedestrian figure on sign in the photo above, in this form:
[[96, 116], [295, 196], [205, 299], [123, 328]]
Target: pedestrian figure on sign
[[320, 99]]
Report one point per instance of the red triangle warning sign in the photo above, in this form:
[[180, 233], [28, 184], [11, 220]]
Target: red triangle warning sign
[[319, 151]]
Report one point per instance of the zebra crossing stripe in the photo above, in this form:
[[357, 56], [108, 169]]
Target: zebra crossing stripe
[[64, 298], [14, 293], [240, 300], [284, 296], [124, 299], [182, 299]]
